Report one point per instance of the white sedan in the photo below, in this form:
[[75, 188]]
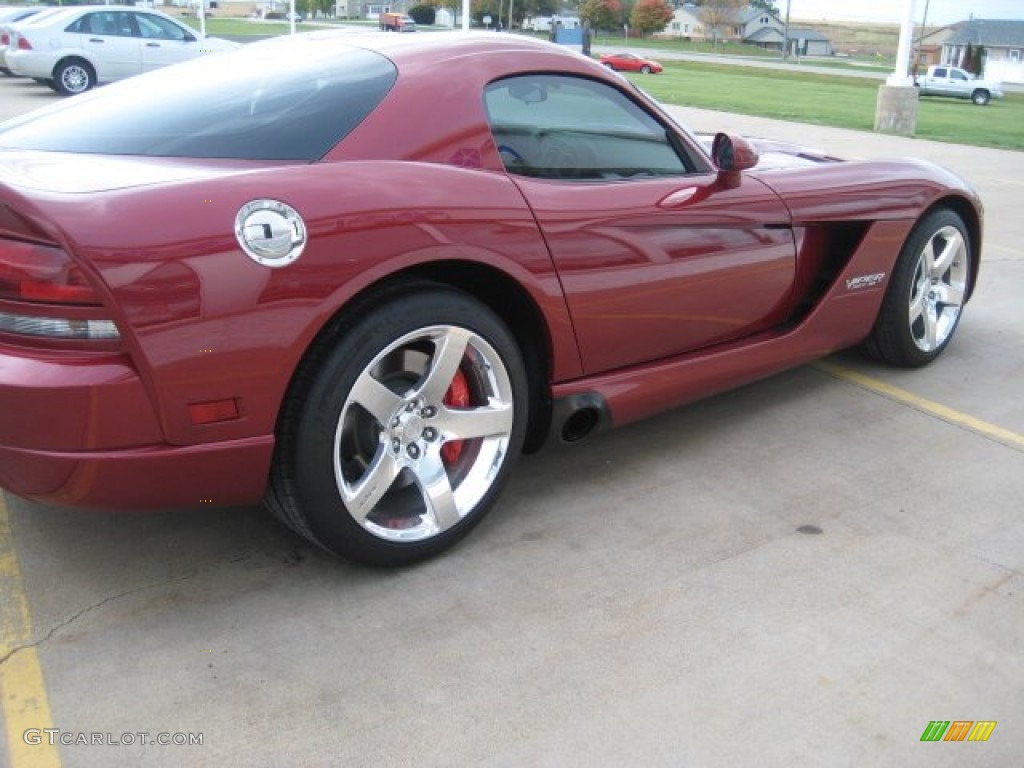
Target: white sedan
[[81, 46]]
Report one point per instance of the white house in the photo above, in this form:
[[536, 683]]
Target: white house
[[685, 23], [1002, 39]]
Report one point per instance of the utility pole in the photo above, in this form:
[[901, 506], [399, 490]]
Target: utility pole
[[785, 36]]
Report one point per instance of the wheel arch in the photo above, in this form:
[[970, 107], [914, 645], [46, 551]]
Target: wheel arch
[[501, 293], [968, 213]]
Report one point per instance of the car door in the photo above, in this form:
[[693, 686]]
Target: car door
[[656, 255], [163, 41], [943, 82], [110, 44]]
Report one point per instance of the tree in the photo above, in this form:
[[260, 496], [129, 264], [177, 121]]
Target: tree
[[767, 5], [602, 14], [967, 60], [980, 55], [650, 16], [717, 13], [536, 8], [423, 14]]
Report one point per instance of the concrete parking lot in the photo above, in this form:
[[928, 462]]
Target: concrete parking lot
[[807, 571]]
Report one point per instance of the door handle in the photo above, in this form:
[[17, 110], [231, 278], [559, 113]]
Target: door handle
[[96, 40], [152, 45]]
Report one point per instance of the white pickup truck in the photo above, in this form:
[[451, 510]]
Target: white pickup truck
[[941, 80]]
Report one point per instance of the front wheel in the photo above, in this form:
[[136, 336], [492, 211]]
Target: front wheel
[[926, 293], [645, 70], [981, 97], [401, 428]]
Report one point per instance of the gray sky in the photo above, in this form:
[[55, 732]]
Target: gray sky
[[939, 11]]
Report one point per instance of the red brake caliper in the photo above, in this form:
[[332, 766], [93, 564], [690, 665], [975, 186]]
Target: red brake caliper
[[457, 396]]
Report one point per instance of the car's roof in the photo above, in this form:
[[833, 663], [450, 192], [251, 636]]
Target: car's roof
[[435, 46], [8, 13]]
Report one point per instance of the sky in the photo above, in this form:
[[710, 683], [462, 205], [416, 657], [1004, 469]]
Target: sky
[[939, 11]]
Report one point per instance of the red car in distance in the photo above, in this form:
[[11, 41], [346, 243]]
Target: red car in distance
[[303, 273], [630, 62]]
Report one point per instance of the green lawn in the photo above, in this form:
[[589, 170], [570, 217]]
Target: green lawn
[[244, 27], [846, 102]]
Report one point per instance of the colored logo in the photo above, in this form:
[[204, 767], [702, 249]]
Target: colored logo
[[958, 730]]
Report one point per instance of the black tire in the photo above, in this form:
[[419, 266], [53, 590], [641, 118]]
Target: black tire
[[924, 299], [981, 97], [73, 76], [645, 70], [367, 424]]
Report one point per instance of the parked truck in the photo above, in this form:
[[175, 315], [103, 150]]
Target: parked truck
[[941, 80], [396, 22]]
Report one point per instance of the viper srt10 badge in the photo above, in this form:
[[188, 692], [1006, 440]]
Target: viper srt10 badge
[[864, 281]]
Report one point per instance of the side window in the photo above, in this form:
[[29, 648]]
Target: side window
[[80, 26], [940, 72], [957, 75], [157, 28], [574, 129], [109, 23]]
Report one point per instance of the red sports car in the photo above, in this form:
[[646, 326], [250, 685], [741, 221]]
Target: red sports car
[[322, 273], [629, 62]]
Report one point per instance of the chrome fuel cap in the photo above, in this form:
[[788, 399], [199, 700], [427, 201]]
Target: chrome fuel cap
[[270, 232]]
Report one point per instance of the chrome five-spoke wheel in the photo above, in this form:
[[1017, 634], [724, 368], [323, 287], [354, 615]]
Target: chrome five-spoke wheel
[[929, 285], [423, 433], [939, 286], [401, 427]]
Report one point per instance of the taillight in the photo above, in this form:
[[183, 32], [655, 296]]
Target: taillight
[[24, 44], [65, 305], [5, 39], [32, 272]]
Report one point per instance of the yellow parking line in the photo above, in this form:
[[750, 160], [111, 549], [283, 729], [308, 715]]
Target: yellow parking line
[[947, 414], [22, 690]]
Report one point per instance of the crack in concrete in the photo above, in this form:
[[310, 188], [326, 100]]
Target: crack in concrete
[[90, 608]]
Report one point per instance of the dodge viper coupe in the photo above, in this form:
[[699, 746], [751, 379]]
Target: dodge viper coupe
[[324, 273]]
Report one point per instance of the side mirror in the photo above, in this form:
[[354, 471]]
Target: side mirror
[[732, 155]]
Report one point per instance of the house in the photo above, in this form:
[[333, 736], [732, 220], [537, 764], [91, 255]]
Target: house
[[685, 24], [750, 23], [809, 42], [753, 26], [1002, 39]]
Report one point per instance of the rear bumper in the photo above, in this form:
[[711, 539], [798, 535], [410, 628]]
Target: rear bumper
[[29, 63], [81, 430], [218, 474]]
